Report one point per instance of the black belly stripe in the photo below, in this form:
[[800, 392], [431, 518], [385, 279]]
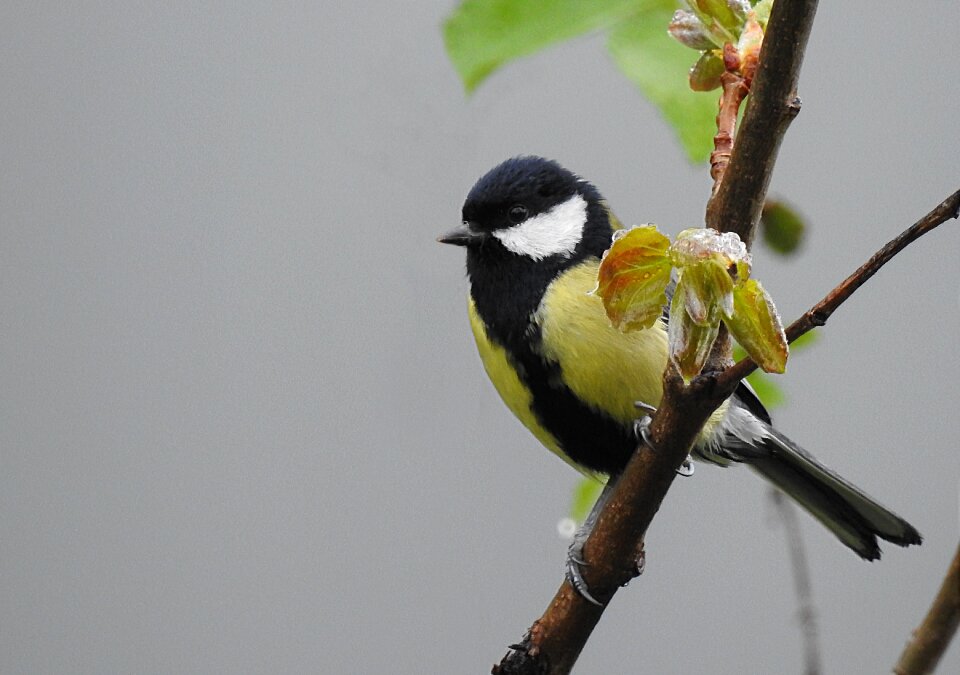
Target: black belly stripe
[[587, 436]]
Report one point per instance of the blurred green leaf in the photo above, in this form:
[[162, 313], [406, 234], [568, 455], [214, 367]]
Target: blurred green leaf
[[482, 35], [805, 341], [584, 496], [762, 10], [808, 339], [769, 392], [660, 67], [782, 227]]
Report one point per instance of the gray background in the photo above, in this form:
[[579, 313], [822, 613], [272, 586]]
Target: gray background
[[243, 427]]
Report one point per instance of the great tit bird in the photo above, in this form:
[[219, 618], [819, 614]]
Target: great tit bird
[[534, 234]]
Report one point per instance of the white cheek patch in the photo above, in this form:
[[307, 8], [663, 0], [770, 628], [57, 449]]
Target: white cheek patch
[[557, 231]]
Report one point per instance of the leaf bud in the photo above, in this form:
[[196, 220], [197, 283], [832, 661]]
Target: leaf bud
[[689, 31]]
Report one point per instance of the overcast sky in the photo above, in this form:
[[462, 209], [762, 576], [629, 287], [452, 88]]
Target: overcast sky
[[243, 425]]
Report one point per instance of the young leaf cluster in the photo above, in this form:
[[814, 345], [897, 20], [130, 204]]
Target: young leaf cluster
[[708, 25], [713, 286]]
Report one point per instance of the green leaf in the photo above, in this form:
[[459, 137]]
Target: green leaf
[[803, 342], [689, 31], [689, 342], [584, 497], [762, 10], [768, 391], [708, 288], [782, 227], [756, 325], [633, 278], [698, 296], [719, 10], [660, 67], [808, 339], [706, 72], [482, 35]]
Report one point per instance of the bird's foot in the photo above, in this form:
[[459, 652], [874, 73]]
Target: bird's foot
[[641, 430], [575, 561], [641, 426], [645, 407]]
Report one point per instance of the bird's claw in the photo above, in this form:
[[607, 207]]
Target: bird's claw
[[574, 562], [645, 407], [641, 429]]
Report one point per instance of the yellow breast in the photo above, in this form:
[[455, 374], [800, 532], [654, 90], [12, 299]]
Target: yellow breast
[[605, 369]]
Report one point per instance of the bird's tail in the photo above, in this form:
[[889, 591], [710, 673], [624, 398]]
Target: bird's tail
[[854, 517]]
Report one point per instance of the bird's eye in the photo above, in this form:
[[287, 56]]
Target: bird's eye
[[517, 213]]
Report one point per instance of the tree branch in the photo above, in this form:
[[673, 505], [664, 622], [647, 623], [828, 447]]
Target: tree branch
[[819, 313], [932, 637], [773, 103], [554, 642]]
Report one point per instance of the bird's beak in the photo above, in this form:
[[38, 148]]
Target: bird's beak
[[461, 236]]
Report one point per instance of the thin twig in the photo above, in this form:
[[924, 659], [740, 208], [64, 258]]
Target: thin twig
[[932, 637], [807, 612], [734, 91], [819, 313], [735, 86]]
